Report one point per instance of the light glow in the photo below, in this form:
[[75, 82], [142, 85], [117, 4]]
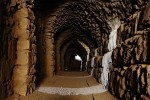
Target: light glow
[[77, 57], [106, 60], [115, 24]]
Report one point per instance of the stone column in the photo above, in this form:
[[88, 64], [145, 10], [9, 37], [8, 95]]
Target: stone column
[[57, 50], [49, 57], [23, 73]]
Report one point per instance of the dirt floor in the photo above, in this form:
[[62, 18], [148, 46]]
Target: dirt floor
[[68, 80], [42, 96]]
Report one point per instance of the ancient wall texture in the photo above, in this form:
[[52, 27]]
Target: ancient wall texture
[[129, 73], [93, 17], [24, 28], [8, 46], [17, 54], [90, 19], [129, 77]]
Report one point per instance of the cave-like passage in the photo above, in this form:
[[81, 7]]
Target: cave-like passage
[[70, 55], [69, 37], [41, 44]]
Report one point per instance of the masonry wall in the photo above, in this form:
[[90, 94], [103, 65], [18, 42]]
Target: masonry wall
[[17, 43], [129, 77], [129, 73], [8, 45]]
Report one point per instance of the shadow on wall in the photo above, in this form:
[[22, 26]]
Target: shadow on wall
[[40, 66]]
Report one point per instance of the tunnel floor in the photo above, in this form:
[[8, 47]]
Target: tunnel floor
[[70, 86]]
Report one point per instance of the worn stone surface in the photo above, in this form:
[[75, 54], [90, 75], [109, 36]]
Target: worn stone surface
[[129, 79], [97, 74], [19, 46], [130, 82], [134, 51], [23, 29]]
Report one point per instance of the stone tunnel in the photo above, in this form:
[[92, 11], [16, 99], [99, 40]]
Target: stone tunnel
[[74, 49]]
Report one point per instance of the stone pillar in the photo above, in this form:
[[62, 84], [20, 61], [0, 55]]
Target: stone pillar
[[49, 56], [57, 50], [23, 73], [63, 51]]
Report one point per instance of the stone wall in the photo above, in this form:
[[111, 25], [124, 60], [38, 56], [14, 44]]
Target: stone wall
[[98, 68], [17, 43], [133, 51], [130, 82], [129, 75], [8, 45]]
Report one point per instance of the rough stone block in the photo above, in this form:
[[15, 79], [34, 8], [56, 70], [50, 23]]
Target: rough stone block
[[20, 89], [98, 61], [22, 13], [133, 51], [21, 24], [20, 33], [19, 79], [23, 45], [129, 81], [21, 71], [50, 55], [22, 83], [22, 57]]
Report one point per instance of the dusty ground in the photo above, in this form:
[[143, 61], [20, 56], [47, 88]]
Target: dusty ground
[[42, 96], [81, 80], [69, 80]]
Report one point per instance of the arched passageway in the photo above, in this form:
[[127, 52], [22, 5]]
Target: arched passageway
[[41, 39]]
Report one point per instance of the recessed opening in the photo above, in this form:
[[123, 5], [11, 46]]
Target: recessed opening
[[75, 63], [78, 58]]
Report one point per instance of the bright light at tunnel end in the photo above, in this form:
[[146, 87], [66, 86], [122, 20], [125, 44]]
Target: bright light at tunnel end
[[77, 57]]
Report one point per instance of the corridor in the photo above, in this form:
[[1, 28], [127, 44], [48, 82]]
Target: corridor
[[75, 49]]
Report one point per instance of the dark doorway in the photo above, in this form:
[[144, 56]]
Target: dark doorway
[[75, 63]]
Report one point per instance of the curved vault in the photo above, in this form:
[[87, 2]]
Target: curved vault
[[70, 39], [91, 18], [73, 49]]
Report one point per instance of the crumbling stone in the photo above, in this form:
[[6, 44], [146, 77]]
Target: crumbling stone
[[125, 78], [90, 17], [137, 46]]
